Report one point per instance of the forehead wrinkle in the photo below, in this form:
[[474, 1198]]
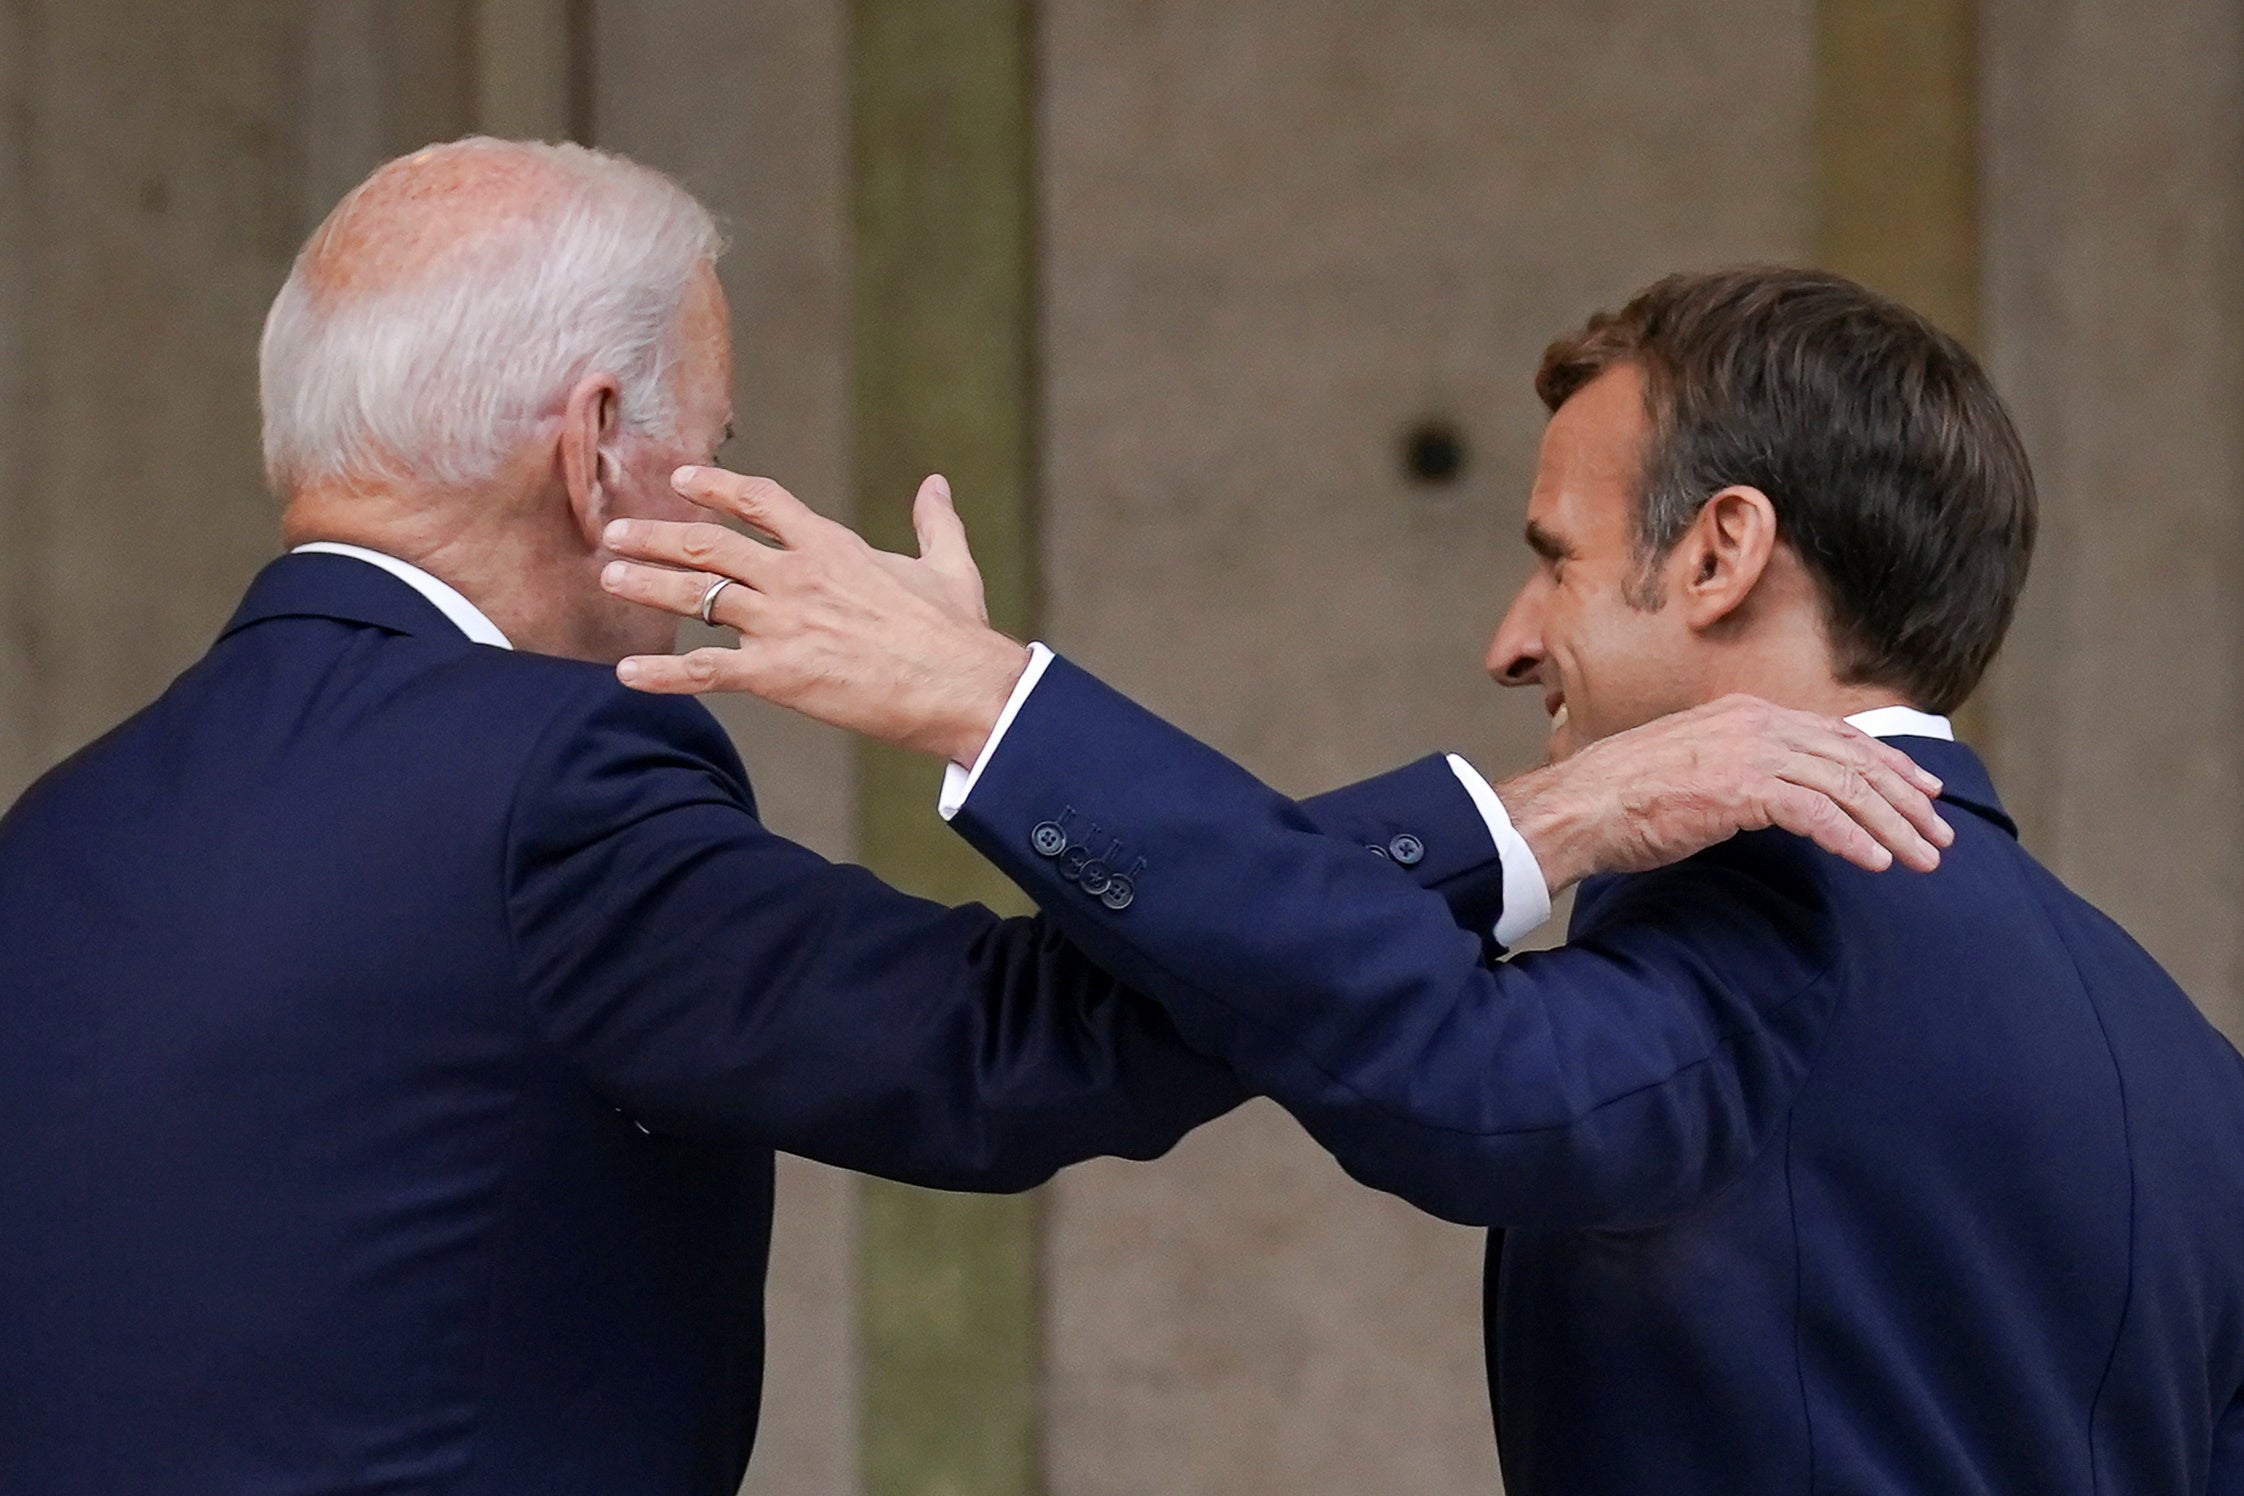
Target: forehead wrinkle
[[419, 211]]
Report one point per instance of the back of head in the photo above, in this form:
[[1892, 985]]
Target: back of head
[[449, 302], [1892, 466]]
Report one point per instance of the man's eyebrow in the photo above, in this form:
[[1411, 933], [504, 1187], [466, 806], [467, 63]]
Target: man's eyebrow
[[1543, 543]]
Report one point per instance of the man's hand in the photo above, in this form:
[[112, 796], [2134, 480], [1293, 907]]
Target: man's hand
[[1658, 793], [888, 646]]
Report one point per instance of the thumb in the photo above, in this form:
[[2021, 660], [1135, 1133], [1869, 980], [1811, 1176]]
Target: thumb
[[942, 535]]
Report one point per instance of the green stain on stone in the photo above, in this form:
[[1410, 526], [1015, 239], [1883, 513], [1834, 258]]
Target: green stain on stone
[[942, 112]]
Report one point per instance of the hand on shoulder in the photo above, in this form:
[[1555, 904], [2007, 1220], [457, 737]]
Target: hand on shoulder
[[1673, 787]]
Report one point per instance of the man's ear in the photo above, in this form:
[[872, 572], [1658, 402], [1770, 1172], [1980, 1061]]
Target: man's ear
[[1722, 557], [591, 418]]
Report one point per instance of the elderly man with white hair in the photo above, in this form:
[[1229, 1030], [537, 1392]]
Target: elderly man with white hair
[[400, 1016]]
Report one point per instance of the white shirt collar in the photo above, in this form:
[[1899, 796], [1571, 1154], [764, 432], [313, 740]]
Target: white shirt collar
[[447, 598], [1902, 722]]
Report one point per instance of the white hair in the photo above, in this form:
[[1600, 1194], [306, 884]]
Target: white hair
[[440, 376]]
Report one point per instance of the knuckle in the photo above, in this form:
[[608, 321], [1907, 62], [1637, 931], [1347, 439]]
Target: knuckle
[[801, 575], [700, 541]]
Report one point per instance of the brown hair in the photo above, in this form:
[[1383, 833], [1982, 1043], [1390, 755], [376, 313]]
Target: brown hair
[[1893, 467]]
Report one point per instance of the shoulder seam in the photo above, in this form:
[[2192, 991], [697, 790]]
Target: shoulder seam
[[536, 753]]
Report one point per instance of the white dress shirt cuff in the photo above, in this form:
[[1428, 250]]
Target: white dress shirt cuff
[[1527, 896], [958, 783]]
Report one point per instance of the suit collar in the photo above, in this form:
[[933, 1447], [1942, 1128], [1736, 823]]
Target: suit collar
[[1964, 780], [471, 620], [320, 585]]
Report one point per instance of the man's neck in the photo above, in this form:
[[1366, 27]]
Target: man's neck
[[1847, 701], [475, 543], [1800, 678]]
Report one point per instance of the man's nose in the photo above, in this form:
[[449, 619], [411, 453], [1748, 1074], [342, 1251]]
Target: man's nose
[[1515, 655]]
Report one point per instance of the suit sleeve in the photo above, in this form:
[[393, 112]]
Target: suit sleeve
[[1610, 1082], [1419, 819], [709, 977]]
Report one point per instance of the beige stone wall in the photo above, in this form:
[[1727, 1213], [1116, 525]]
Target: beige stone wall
[[1271, 246], [151, 167], [2115, 323], [158, 166], [18, 753], [374, 79]]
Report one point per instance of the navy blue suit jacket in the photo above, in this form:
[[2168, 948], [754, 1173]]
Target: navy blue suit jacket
[[1806, 1179], [394, 1036]]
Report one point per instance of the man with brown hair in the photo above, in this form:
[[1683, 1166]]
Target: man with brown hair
[[1799, 1179]]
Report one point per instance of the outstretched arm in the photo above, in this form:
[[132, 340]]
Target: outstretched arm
[[1624, 1077], [899, 649], [710, 978]]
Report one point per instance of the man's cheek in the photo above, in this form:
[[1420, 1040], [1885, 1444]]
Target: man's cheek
[[656, 499]]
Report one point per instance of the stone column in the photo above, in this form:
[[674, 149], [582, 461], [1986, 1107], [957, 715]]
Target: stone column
[[944, 380], [532, 76], [1898, 179], [151, 170], [19, 727], [1897, 151], [2115, 324], [375, 79]]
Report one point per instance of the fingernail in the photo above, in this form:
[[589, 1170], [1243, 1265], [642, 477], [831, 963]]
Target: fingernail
[[685, 477], [611, 575], [628, 672], [1947, 832], [1932, 780], [943, 485], [618, 531]]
